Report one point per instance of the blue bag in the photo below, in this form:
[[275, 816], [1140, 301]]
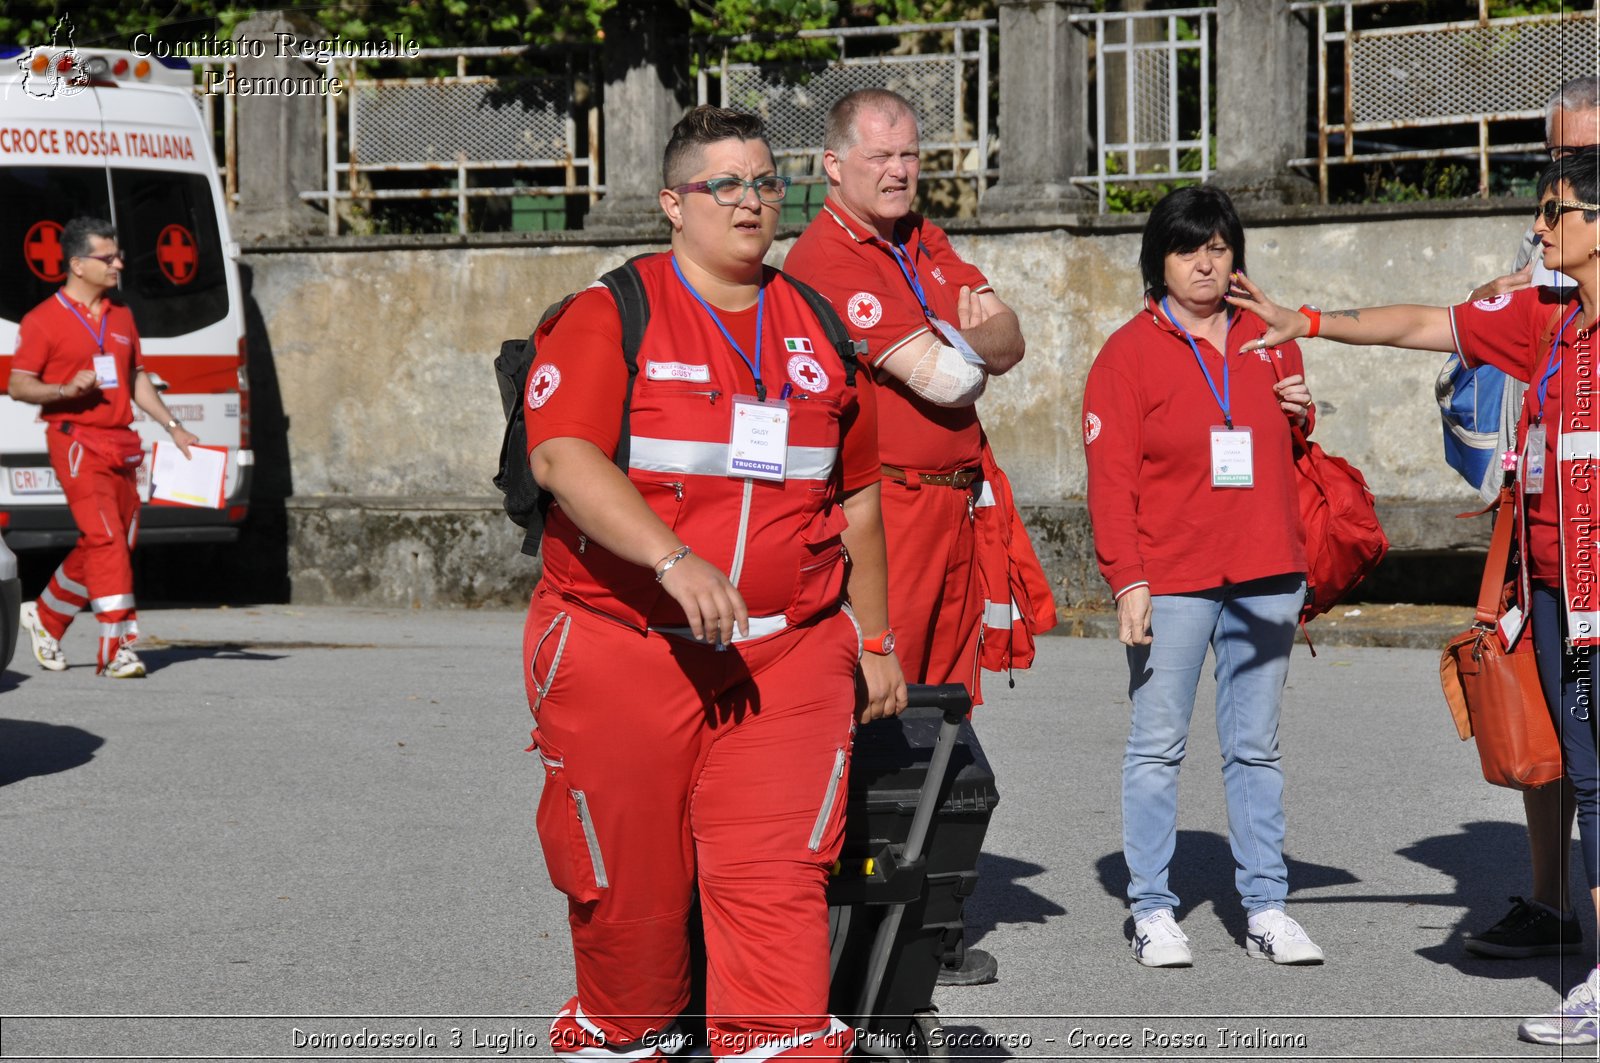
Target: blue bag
[[1477, 429]]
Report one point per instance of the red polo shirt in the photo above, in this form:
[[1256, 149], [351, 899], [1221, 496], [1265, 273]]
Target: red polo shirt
[[1148, 415], [1509, 333], [870, 283], [58, 338]]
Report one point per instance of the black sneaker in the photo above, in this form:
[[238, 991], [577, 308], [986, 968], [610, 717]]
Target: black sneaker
[[1527, 930]]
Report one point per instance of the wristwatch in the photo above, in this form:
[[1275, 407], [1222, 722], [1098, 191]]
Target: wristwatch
[[1315, 314], [171, 424], [882, 645]]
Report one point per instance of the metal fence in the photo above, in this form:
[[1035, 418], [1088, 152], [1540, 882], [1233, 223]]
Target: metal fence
[[948, 84], [465, 126], [1471, 74], [1144, 61]]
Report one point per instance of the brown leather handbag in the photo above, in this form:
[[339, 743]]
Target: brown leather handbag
[[1494, 696]]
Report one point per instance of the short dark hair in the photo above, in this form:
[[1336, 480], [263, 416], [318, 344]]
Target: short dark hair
[[75, 238], [701, 126], [839, 132], [1581, 171], [1181, 222]]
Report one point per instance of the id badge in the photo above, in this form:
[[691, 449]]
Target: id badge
[[105, 370], [758, 445], [952, 336], [1533, 461], [1232, 457]]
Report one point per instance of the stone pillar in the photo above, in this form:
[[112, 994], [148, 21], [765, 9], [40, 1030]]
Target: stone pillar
[[1262, 67], [1044, 112], [282, 139], [647, 89]]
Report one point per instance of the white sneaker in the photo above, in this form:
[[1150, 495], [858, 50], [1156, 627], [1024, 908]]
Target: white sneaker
[[125, 665], [1157, 941], [1574, 1023], [46, 650], [1273, 936]]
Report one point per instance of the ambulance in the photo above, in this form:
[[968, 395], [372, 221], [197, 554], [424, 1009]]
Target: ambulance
[[120, 136]]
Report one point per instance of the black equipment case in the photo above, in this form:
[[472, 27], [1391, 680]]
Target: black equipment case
[[895, 898]]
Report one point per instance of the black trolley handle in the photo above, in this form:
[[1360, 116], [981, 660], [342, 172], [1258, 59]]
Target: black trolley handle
[[953, 699]]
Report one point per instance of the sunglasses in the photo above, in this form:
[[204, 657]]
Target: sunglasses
[[729, 191], [1552, 209], [107, 259]]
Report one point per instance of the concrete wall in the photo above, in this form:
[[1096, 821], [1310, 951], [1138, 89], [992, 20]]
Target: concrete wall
[[381, 356]]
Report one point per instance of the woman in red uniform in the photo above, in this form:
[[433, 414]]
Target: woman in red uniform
[[691, 661], [1187, 441], [1543, 337]]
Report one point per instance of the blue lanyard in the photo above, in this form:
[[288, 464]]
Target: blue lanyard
[[755, 366], [1550, 371], [100, 337], [908, 270], [1223, 399]]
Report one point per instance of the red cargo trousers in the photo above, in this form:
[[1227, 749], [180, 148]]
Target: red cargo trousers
[[670, 764], [103, 495]]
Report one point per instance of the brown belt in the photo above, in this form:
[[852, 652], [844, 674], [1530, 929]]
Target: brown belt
[[961, 479]]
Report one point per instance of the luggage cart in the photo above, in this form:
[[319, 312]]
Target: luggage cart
[[920, 797]]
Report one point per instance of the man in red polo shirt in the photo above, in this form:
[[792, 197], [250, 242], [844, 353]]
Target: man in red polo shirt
[[78, 358], [936, 332]]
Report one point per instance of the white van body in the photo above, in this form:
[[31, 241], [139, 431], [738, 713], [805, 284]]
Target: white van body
[[121, 137]]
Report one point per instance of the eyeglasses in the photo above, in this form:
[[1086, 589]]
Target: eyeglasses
[[1561, 151], [107, 259], [1552, 209], [729, 191]]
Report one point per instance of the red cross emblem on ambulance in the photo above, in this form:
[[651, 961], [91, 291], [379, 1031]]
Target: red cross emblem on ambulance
[[177, 254], [41, 249]]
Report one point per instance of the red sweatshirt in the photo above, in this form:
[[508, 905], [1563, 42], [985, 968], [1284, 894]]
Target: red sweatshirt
[[1148, 415]]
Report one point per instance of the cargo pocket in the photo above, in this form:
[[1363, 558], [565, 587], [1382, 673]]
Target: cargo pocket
[[820, 832], [819, 583], [567, 835], [552, 644]]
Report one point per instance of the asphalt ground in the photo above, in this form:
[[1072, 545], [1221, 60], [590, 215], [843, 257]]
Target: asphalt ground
[[310, 830]]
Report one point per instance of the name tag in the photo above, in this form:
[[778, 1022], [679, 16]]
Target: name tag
[[952, 337], [1232, 457], [105, 370], [758, 446], [697, 374], [1533, 461]]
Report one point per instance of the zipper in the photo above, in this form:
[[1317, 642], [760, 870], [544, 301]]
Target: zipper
[[829, 799], [583, 543], [596, 861]]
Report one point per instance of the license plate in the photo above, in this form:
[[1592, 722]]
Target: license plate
[[34, 480]]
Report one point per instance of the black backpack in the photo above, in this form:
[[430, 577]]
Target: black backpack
[[525, 501]]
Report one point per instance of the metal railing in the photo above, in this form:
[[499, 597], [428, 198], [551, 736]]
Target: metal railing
[[1471, 73], [1139, 79], [462, 125], [950, 90]]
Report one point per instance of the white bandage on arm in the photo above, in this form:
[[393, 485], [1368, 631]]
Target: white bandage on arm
[[936, 372]]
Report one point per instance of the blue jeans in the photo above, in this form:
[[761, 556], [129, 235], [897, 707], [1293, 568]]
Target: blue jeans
[[1251, 628], [1568, 678]]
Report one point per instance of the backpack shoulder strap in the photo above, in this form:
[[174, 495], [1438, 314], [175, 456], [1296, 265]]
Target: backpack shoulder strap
[[633, 307], [850, 350]]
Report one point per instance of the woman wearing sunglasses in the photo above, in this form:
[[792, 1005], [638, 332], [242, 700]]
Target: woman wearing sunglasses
[[1545, 338]]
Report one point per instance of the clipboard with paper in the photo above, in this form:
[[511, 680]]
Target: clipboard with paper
[[194, 481]]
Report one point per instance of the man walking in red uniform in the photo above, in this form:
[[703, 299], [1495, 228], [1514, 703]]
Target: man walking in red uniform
[[936, 332], [690, 654], [78, 358]]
